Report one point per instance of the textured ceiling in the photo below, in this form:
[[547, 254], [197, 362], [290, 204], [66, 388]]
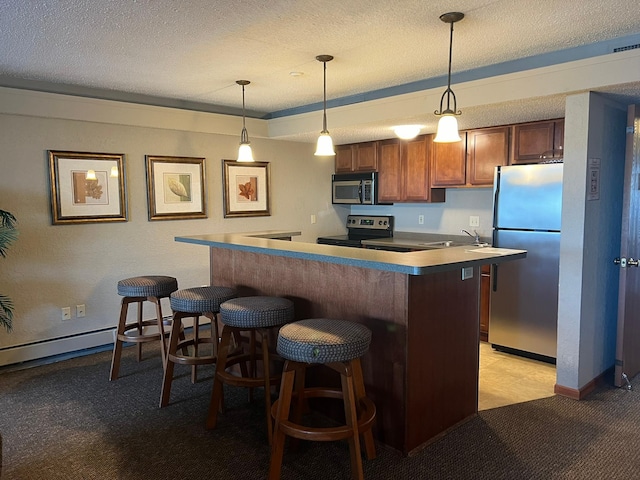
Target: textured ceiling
[[192, 52]]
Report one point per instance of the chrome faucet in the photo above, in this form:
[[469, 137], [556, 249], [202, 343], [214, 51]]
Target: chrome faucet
[[476, 237]]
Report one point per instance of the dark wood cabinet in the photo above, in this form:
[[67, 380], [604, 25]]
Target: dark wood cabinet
[[358, 157], [403, 171], [533, 141], [485, 307], [470, 163], [449, 163], [487, 149]]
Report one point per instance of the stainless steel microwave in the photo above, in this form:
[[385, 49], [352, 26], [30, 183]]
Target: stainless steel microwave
[[354, 188]]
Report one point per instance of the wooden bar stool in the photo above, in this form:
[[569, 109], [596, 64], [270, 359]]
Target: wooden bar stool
[[151, 288], [255, 316], [193, 302], [337, 344]]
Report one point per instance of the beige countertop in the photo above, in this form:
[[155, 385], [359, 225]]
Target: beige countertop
[[421, 262]]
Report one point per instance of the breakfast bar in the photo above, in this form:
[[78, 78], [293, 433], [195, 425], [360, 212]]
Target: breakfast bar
[[422, 307]]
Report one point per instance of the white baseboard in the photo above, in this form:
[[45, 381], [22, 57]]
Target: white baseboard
[[57, 346]]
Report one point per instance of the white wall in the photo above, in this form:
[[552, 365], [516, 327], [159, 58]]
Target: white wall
[[588, 284], [64, 265]]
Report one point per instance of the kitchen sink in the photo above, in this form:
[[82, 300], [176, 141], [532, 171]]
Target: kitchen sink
[[440, 244]]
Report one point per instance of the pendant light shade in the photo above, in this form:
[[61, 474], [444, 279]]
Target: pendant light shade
[[324, 148], [244, 151], [448, 124]]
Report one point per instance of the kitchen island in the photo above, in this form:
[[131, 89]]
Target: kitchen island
[[422, 307]]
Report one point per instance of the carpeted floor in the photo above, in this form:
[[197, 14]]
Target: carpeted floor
[[66, 420]]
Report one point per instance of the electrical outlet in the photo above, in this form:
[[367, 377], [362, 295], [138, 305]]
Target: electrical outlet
[[66, 313], [420, 219], [313, 219], [80, 311], [467, 272], [474, 221]]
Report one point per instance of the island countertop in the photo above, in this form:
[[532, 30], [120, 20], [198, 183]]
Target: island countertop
[[412, 263], [422, 307]]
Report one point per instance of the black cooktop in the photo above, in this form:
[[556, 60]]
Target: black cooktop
[[361, 227]]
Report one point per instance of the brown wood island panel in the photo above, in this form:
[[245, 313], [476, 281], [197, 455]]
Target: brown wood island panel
[[421, 368]]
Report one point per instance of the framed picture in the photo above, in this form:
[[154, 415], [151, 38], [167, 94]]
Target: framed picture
[[246, 189], [87, 187], [176, 188]]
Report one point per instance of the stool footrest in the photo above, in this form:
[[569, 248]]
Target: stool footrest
[[327, 434], [192, 360]]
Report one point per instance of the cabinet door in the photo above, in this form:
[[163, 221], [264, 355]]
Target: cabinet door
[[486, 149], [389, 171], [531, 140], [344, 159], [366, 157], [415, 158], [449, 163]]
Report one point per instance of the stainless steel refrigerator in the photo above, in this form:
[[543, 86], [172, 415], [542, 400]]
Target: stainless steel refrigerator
[[527, 207]]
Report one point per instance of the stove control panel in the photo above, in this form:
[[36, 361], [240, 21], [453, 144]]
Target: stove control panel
[[370, 222]]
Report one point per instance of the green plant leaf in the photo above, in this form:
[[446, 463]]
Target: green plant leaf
[[6, 313]]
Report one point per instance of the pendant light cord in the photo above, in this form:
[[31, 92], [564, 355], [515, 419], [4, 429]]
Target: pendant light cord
[[324, 114], [244, 136], [450, 57]]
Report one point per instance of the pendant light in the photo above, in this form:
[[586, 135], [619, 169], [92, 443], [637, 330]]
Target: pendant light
[[325, 143], [448, 124], [244, 151]]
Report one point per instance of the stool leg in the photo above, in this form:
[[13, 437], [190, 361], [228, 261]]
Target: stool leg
[[301, 404], [216, 394], [167, 378], [351, 416], [282, 414], [117, 348], [159, 320], [358, 381], [196, 341], [267, 383], [140, 327]]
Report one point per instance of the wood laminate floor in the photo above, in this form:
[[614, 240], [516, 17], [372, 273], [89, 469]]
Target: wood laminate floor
[[506, 379]]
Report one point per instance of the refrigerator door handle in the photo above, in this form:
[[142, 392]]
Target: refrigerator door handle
[[494, 276]]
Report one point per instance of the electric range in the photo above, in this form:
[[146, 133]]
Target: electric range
[[361, 227]]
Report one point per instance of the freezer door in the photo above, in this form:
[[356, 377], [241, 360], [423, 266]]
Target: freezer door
[[528, 197], [524, 293]]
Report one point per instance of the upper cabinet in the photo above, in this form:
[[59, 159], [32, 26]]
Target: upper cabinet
[[403, 171], [471, 162], [448, 163], [420, 170], [487, 149], [359, 157], [533, 142]]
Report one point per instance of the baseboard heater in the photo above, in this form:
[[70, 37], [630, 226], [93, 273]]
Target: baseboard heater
[[43, 349], [55, 346]]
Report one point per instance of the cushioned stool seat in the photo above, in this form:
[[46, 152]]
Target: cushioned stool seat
[[193, 302], [151, 288], [255, 315], [337, 344]]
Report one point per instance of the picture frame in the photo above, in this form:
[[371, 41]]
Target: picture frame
[[246, 188], [176, 187], [87, 187]]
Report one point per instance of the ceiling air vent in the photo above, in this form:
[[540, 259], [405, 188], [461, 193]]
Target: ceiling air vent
[[628, 47]]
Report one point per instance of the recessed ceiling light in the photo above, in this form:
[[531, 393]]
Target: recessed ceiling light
[[407, 132]]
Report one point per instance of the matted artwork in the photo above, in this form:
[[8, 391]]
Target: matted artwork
[[87, 187], [176, 188], [246, 189]]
